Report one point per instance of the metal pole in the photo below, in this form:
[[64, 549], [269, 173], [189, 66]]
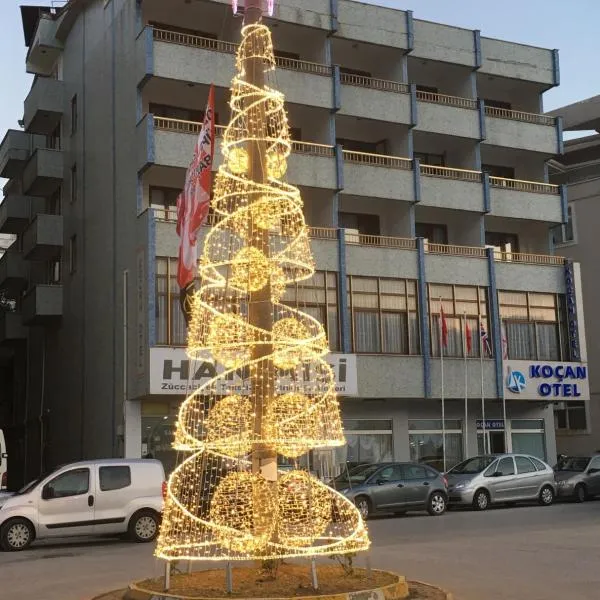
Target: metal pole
[[313, 572], [442, 394], [466, 427], [228, 578], [167, 576], [485, 445]]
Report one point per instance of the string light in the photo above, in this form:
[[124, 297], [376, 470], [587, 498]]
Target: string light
[[270, 389]]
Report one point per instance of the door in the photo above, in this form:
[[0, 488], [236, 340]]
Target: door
[[528, 479], [494, 441], [502, 482], [417, 480], [113, 494], [387, 488], [66, 504], [593, 478]]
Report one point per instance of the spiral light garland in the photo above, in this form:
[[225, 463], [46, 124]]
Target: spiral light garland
[[219, 504]]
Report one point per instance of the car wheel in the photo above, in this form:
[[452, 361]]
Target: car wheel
[[436, 506], [143, 526], [481, 500], [546, 497], [364, 506], [580, 493], [16, 535]]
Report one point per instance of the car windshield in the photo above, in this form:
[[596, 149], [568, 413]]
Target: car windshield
[[573, 463], [27, 488], [472, 466], [357, 475]]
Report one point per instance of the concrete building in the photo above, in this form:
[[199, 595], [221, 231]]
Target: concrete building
[[421, 152], [578, 423]]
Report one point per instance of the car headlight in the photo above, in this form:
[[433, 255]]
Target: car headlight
[[463, 485]]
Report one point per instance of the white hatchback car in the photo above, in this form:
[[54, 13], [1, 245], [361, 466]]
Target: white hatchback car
[[100, 497]]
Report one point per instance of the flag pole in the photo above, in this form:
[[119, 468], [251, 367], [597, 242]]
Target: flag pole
[[442, 378], [504, 353], [485, 449], [466, 427]]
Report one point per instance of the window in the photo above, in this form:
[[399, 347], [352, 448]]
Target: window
[[528, 437], [565, 234], [437, 234], [383, 315], [71, 483], [114, 478], [539, 465], [497, 103], [368, 441], [165, 199], [570, 415], [364, 224], [426, 441], [357, 72], [435, 160], [506, 466], [533, 325], [504, 244], [53, 139], [72, 254], [426, 89], [362, 146], [463, 305], [54, 272], [595, 463], [412, 472], [499, 171], [74, 115], [55, 202], [524, 465], [318, 297], [389, 474], [73, 184]]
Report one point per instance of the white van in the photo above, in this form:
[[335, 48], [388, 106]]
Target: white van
[[3, 462], [97, 497]]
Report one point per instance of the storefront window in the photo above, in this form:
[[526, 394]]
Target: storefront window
[[528, 437], [463, 305], [157, 440], [570, 415], [425, 437], [384, 315], [533, 325], [368, 441]]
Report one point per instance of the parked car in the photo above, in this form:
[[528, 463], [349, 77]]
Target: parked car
[[100, 497], [497, 478], [578, 477], [394, 488]]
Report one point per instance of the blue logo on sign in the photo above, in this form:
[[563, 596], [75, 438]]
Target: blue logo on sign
[[516, 382]]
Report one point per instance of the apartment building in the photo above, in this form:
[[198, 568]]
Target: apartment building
[[421, 153], [578, 423]]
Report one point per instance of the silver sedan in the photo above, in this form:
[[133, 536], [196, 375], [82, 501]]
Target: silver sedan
[[501, 478]]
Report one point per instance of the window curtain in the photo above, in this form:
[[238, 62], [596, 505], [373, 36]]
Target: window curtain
[[366, 332], [548, 343], [521, 340]]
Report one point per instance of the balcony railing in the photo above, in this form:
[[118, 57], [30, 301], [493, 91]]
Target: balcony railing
[[530, 259], [323, 233], [518, 115], [378, 160], [196, 41], [362, 239], [454, 250], [519, 185], [448, 173], [177, 125], [447, 100], [312, 149], [376, 84]]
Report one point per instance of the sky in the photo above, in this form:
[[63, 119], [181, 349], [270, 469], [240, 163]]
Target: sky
[[569, 25]]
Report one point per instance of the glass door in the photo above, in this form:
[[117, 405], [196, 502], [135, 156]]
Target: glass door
[[494, 442]]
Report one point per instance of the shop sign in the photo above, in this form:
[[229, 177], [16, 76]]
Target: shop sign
[[572, 322], [556, 381], [172, 372], [491, 423]]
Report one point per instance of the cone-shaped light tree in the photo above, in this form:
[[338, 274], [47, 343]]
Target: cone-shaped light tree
[[226, 498]]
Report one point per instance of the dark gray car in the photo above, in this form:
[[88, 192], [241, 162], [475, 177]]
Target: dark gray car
[[578, 477], [394, 488]]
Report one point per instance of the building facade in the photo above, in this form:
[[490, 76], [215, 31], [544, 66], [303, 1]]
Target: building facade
[[578, 423], [421, 153]]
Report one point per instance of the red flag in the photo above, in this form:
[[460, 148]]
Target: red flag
[[468, 337], [444, 326], [194, 201]]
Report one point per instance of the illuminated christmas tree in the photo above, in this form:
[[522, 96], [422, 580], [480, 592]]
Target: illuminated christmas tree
[[226, 498]]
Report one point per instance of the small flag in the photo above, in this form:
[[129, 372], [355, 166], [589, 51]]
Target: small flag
[[468, 337], [504, 342], [485, 340], [444, 326]]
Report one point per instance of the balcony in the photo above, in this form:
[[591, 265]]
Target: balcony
[[13, 272], [43, 172], [448, 115], [459, 189], [43, 305], [44, 105], [522, 130], [15, 212], [377, 99], [11, 328], [525, 200], [202, 60], [15, 150], [43, 239], [378, 175], [45, 48]]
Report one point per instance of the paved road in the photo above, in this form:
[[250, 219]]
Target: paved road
[[530, 553]]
